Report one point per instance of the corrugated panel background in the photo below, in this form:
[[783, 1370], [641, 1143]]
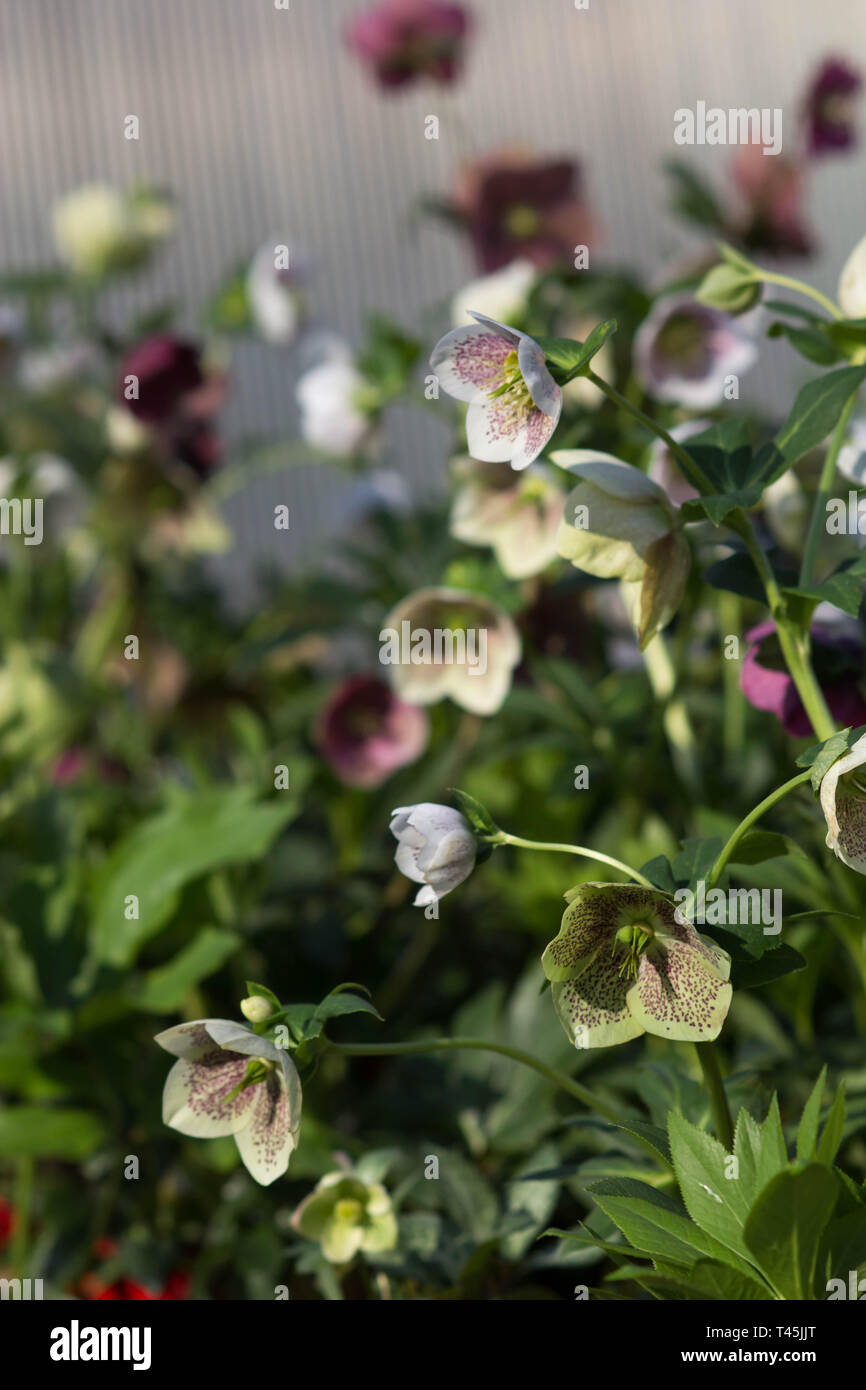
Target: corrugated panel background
[[266, 128]]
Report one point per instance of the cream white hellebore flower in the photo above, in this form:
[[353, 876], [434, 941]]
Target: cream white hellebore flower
[[329, 396], [99, 228], [852, 283], [345, 1214], [229, 1081], [518, 516], [514, 402], [619, 524], [447, 642], [435, 847], [500, 295], [843, 801], [275, 297]]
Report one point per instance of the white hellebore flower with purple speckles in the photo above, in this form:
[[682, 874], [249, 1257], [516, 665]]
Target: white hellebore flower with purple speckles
[[852, 283], [435, 847], [686, 352], [843, 801], [230, 1081], [442, 642], [514, 402], [518, 516]]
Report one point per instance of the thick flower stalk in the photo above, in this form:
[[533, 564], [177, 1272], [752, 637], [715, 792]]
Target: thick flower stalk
[[514, 402], [228, 1080], [625, 963]]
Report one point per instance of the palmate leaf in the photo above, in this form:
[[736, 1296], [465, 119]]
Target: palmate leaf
[[759, 1149], [784, 1228], [708, 1183], [807, 1130], [657, 1225]]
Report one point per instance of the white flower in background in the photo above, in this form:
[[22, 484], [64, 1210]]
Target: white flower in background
[[685, 351], [50, 368], [501, 295], [435, 847], [514, 402], [230, 1081], [851, 461], [843, 801], [852, 283], [443, 642], [619, 524], [124, 433], [330, 396], [98, 228], [275, 296], [517, 515]]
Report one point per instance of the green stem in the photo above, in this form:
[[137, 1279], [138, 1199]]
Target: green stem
[[691, 470], [715, 1086], [565, 1083], [770, 277], [754, 815], [825, 485], [505, 839]]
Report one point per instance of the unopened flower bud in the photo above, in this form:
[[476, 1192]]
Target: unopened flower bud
[[256, 1008]]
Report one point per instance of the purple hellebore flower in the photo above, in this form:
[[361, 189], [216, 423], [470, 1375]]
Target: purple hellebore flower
[[830, 107], [515, 206], [365, 732], [402, 40], [840, 662], [772, 190], [176, 398], [684, 351], [514, 402]]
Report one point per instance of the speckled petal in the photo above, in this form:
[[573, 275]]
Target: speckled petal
[[190, 1040], [591, 920], [493, 429], [194, 1097], [468, 362], [845, 810], [266, 1143], [535, 434], [677, 996], [593, 1008]]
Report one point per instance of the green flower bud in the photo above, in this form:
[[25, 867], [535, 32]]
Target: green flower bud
[[256, 1008]]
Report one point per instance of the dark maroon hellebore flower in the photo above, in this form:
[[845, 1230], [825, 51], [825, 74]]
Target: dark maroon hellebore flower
[[365, 732]]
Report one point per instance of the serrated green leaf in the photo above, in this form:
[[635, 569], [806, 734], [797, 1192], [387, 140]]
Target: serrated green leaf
[[784, 1227], [807, 1130], [834, 1126], [478, 816]]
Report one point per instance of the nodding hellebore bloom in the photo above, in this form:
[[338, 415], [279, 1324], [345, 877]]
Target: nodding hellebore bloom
[[839, 661], [685, 351], [624, 963], [365, 732], [401, 40], [830, 107], [449, 642], [435, 847], [843, 801], [518, 516], [228, 1080], [619, 524], [345, 1214], [514, 402]]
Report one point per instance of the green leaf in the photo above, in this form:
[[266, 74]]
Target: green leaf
[[164, 989], [654, 1222], [659, 872], [759, 1150], [694, 199], [696, 859], [784, 1227], [341, 1001], [756, 846], [814, 413], [807, 1130], [480, 820], [811, 343], [821, 756], [844, 588], [264, 993], [736, 574], [652, 1136], [709, 1183], [195, 836], [44, 1131], [569, 358], [834, 1126]]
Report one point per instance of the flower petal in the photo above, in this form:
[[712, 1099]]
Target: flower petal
[[194, 1097], [593, 1008], [493, 429], [677, 996], [536, 431], [190, 1040], [468, 362], [265, 1144]]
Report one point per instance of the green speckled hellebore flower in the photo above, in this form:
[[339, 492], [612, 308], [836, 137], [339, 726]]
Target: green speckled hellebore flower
[[345, 1214], [230, 1081], [619, 524], [624, 963], [843, 801]]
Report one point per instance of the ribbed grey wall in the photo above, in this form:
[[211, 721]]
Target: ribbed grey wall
[[265, 126]]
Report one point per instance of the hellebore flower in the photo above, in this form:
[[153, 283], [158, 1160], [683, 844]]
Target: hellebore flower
[[623, 964], [165, 386], [501, 295], [830, 107], [345, 1214], [98, 229], [518, 516], [441, 642], [512, 205], [843, 801], [365, 732], [619, 524], [514, 402], [332, 398], [684, 351], [401, 40], [839, 660], [772, 190], [852, 283], [435, 847], [230, 1081], [275, 296]]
